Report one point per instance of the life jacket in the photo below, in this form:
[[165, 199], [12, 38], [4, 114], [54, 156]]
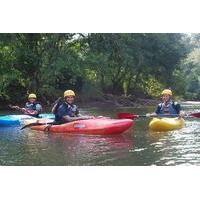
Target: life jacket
[[73, 110], [32, 106], [69, 109], [168, 109]]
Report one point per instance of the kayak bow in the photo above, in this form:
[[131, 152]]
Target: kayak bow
[[166, 124]]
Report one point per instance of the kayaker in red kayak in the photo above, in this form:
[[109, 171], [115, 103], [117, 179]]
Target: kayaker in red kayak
[[32, 107], [167, 107], [67, 111]]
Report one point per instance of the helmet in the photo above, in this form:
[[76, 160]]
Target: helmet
[[167, 92], [32, 96], [68, 93]]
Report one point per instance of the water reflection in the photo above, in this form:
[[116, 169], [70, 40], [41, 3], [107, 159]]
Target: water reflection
[[180, 147], [137, 147], [86, 149], [11, 145]]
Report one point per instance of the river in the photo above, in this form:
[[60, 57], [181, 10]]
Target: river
[[137, 147]]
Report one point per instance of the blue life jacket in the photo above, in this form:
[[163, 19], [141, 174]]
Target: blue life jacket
[[66, 109], [32, 106], [167, 110]]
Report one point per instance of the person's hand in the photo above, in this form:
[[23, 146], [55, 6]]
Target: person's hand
[[182, 114], [29, 112], [151, 115], [101, 117], [24, 109], [84, 117], [88, 117], [16, 107], [148, 115]]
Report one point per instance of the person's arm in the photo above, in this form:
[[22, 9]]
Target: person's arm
[[178, 108], [24, 110], [179, 111], [65, 116], [70, 119], [33, 112], [154, 114], [151, 114]]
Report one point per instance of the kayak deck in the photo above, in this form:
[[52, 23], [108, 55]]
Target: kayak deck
[[166, 124], [91, 126], [17, 120]]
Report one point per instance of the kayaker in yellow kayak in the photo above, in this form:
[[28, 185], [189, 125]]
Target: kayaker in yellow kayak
[[67, 111], [32, 107], [168, 107]]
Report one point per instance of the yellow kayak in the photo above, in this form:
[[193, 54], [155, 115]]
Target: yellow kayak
[[166, 124]]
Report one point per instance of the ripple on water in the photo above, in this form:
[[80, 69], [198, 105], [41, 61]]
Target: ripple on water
[[180, 147]]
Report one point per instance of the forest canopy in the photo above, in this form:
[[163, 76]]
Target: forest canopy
[[98, 63]]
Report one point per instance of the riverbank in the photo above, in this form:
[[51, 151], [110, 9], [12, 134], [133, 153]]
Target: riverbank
[[110, 100], [107, 100]]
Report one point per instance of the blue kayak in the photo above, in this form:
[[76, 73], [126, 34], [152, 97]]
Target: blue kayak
[[16, 120]]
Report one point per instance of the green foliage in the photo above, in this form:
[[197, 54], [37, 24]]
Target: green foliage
[[94, 64], [153, 88], [190, 68], [124, 62]]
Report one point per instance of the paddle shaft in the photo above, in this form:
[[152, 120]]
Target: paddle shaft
[[24, 110], [124, 115], [15, 107]]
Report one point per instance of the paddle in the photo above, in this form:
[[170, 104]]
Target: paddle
[[125, 115], [24, 110], [36, 124]]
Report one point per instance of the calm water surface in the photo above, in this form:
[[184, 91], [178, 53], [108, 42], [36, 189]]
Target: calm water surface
[[136, 147]]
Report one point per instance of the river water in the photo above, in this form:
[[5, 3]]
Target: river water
[[137, 147]]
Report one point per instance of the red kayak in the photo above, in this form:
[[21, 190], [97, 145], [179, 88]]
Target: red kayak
[[102, 126]]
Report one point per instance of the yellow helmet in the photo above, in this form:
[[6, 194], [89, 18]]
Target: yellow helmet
[[167, 92], [68, 93], [32, 96]]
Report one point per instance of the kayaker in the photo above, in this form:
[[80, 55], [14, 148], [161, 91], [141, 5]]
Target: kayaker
[[68, 111], [32, 107], [167, 107]]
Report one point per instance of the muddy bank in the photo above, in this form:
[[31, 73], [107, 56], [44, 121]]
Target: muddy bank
[[110, 100], [118, 101]]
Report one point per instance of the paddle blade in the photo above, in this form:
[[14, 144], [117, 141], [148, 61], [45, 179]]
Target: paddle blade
[[36, 122], [124, 115], [31, 124], [195, 114]]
